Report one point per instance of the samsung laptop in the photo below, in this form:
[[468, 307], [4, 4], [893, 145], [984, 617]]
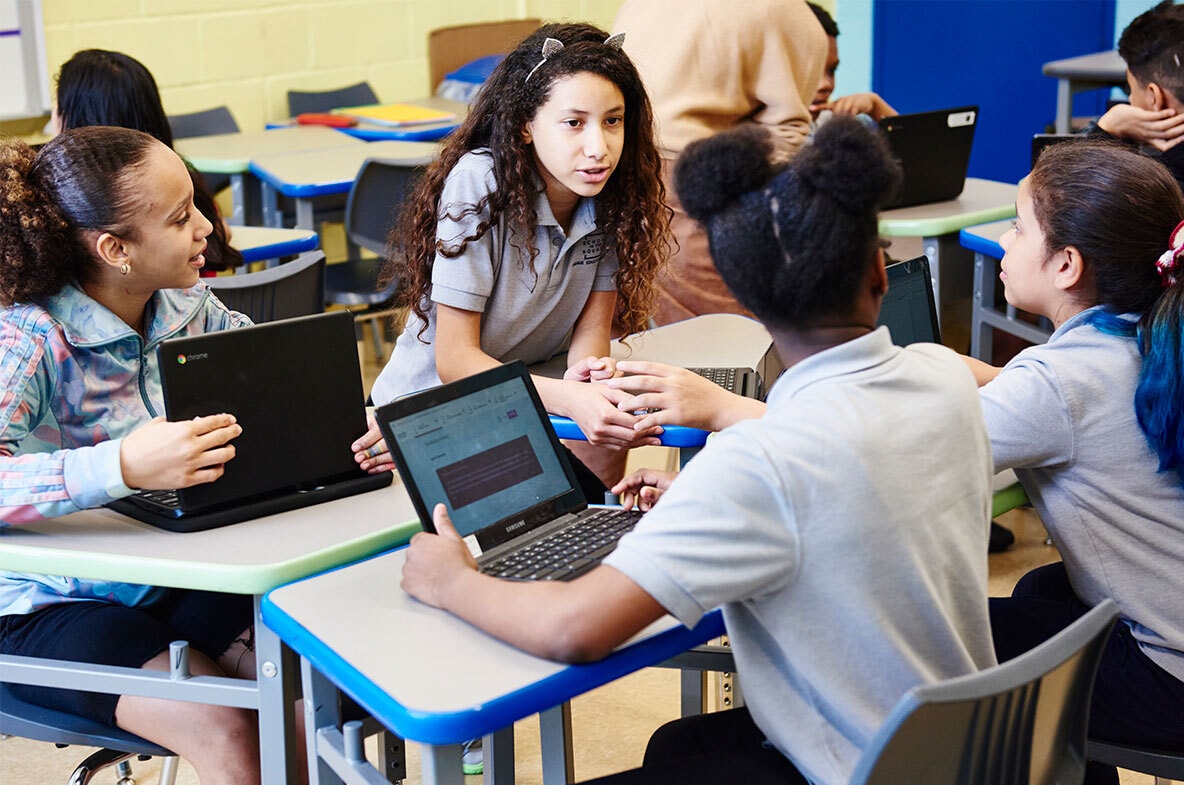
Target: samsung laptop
[[933, 149], [295, 386], [484, 447], [908, 309], [747, 382]]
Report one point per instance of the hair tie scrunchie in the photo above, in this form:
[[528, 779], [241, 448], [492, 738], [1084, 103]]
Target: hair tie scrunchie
[[1168, 263], [552, 46]]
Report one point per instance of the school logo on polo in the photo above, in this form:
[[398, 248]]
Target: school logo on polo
[[591, 249]]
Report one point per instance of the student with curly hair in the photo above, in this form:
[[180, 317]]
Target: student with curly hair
[[809, 519], [101, 246], [541, 220]]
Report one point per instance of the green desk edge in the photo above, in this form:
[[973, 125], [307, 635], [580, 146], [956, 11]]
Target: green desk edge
[[1008, 499], [934, 227], [234, 579]]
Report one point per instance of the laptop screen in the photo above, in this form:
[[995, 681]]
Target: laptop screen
[[486, 453], [908, 309]]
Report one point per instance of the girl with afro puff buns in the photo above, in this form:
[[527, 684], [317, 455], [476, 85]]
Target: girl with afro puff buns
[[839, 512]]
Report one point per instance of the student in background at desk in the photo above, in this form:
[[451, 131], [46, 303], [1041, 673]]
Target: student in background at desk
[[1153, 47], [98, 87], [1091, 423], [542, 218], [869, 104], [100, 249], [844, 533]]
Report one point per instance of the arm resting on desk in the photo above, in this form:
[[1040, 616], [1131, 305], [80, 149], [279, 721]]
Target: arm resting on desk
[[579, 621]]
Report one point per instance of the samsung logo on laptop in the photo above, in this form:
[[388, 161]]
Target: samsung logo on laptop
[[515, 526], [188, 358]]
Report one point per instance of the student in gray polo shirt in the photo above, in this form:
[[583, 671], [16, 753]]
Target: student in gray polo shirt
[[541, 220]]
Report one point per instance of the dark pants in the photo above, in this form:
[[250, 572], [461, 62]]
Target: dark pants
[[710, 749], [1134, 701]]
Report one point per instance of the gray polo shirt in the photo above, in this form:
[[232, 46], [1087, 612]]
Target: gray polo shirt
[[528, 311]]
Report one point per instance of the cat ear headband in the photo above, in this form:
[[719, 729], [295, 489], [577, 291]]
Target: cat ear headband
[[1169, 261], [553, 46]]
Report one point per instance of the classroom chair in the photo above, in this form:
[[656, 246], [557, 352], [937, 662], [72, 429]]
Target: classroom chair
[[207, 122], [1023, 721], [1163, 765], [296, 288], [373, 207], [306, 101], [29, 721], [451, 47]]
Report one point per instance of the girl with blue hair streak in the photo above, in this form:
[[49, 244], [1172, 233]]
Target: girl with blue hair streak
[[1092, 422]]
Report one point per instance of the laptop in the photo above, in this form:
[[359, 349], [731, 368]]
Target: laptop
[[908, 309], [295, 386], [934, 153], [747, 382], [484, 447]]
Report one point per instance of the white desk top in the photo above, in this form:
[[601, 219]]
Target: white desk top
[[333, 170], [233, 153], [981, 201], [248, 558]]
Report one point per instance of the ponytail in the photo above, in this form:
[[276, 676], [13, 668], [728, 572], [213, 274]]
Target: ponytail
[[1159, 398]]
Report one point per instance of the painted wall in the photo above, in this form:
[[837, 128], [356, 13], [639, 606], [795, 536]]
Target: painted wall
[[248, 53]]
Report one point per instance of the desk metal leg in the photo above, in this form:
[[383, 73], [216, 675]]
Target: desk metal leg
[[238, 200], [1064, 105], [952, 269], [276, 666], [441, 764], [498, 751], [321, 710], [555, 740], [304, 211], [271, 208], [981, 336]]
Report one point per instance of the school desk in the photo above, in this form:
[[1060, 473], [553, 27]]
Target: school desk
[[245, 558], [307, 175], [938, 225], [420, 132], [260, 243], [433, 679], [1078, 74], [986, 315], [231, 154]]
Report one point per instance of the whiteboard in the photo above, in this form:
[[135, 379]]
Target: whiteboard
[[24, 89]]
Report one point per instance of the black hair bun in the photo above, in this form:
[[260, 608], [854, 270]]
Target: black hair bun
[[712, 174], [851, 163]]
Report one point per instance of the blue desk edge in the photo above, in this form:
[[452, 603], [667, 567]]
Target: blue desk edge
[[972, 242], [284, 248], [672, 435], [458, 727]]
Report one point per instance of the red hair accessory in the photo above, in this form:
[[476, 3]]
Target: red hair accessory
[[1168, 262]]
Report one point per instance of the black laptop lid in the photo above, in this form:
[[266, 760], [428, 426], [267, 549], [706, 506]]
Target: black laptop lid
[[908, 309], [934, 153], [484, 447], [294, 385]]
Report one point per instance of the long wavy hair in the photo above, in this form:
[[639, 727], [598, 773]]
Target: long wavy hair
[[632, 205]]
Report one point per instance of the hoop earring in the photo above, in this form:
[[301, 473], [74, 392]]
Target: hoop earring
[[125, 268]]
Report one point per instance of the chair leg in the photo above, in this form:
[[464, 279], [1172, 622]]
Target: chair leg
[[168, 770], [94, 763]]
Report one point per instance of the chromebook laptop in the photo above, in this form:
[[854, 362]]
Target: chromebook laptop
[[484, 447], [908, 308], [295, 387], [747, 382], [934, 153]]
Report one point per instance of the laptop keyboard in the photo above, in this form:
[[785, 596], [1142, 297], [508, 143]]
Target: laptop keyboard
[[567, 553], [156, 501], [724, 377]]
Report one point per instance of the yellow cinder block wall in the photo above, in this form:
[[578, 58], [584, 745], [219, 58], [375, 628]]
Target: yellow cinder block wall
[[247, 54]]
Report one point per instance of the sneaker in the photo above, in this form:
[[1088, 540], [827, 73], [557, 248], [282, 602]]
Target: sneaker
[[473, 758], [1000, 539]]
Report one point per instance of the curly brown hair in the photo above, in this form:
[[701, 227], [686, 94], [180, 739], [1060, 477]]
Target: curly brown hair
[[632, 204], [81, 180]]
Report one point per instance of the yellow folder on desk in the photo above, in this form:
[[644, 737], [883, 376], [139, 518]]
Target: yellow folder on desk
[[396, 114]]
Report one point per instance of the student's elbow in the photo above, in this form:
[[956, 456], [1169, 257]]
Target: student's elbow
[[580, 643]]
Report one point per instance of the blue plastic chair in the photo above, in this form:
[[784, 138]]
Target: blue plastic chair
[[29, 721]]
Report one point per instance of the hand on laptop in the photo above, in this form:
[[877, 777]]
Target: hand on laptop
[[869, 104], [679, 397], [371, 452], [1162, 129], [161, 455], [643, 488], [433, 559]]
